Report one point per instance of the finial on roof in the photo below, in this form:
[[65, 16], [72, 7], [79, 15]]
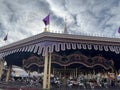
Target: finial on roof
[[45, 29], [65, 28]]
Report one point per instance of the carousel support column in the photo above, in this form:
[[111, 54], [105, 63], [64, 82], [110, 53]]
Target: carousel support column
[[76, 72], [64, 77], [8, 73], [116, 74], [53, 72], [65, 70], [49, 72], [38, 70], [60, 75], [28, 71], [1, 68], [72, 75], [45, 71]]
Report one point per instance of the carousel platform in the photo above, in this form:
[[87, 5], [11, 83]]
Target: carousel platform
[[16, 86]]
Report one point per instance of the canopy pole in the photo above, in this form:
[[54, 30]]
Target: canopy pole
[[1, 68], [76, 72], [45, 71], [49, 72], [8, 73]]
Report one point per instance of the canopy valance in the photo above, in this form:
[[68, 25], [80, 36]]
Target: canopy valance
[[60, 42]]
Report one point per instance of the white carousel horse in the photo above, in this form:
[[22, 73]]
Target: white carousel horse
[[57, 81], [98, 79], [81, 80], [70, 82]]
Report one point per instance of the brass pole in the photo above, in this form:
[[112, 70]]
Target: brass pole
[[49, 72], [76, 72], [45, 71], [8, 73], [45, 29], [60, 75], [53, 72], [1, 68]]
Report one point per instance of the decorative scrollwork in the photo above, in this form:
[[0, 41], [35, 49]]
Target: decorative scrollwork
[[67, 60]]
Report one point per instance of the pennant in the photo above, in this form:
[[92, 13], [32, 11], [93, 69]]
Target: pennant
[[6, 37], [46, 20], [119, 29]]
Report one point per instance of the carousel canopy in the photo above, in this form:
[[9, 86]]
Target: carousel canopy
[[60, 42]]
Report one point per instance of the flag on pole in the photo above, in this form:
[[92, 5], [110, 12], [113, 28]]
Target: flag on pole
[[46, 20], [6, 37], [119, 29]]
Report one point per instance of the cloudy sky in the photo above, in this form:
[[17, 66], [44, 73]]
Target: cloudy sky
[[23, 18]]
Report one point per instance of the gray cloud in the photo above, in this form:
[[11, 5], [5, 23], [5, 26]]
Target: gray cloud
[[93, 16], [1, 30], [23, 18]]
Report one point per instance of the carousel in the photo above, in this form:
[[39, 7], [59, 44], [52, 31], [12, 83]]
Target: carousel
[[74, 59]]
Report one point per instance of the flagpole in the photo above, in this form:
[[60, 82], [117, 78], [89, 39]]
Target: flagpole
[[49, 27], [46, 22], [45, 29], [49, 22]]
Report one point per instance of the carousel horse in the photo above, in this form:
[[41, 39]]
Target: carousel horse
[[98, 79], [69, 83], [58, 82], [81, 81], [55, 81], [104, 82]]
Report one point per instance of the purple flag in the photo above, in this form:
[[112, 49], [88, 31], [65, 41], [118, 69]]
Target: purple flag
[[6, 37], [46, 20], [119, 29]]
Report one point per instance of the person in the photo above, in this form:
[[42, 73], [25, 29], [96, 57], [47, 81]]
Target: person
[[118, 79], [111, 77]]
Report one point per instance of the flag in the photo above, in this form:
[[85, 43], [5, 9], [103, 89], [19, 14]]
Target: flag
[[5, 38], [119, 29], [46, 20]]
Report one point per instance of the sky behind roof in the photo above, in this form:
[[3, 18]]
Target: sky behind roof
[[23, 18]]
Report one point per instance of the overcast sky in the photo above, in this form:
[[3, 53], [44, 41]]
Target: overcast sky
[[23, 18]]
